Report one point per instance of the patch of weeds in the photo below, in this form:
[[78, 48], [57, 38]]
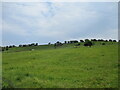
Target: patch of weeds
[[97, 81], [116, 65], [55, 86], [11, 68], [7, 83], [89, 68], [76, 81], [50, 78], [102, 55], [31, 66], [62, 78], [27, 74], [35, 82], [33, 58], [18, 79], [5, 63]]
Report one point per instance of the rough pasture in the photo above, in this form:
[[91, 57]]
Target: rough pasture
[[64, 67]]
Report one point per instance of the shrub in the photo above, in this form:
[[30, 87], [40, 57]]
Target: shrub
[[77, 44], [81, 41], [88, 43], [103, 43]]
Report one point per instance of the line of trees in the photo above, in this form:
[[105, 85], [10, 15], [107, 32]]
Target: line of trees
[[86, 42], [26, 45], [6, 47], [12, 46], [93, 40]]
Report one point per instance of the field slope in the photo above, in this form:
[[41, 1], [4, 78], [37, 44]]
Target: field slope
[[83, 67]]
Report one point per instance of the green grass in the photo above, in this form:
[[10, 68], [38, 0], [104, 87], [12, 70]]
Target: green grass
[[64, 67]]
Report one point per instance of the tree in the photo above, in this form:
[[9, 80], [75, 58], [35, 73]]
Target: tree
[[57, 44], [33, 44], [65, 42], [106, 40], [94, 40], [114, 41], [36, 44], [74, 41], [24, 45], [10, 46], [88, 43], [3, 49], [13, 46], [100, 40], [20, 45], [110, 40], [49, 43], [81, 41], [68, 41], [6, 47], [86, 40]]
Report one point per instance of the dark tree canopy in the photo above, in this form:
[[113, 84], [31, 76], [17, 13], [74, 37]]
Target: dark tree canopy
[[106, 40], [93, 40], [114, 41], [49, 43], [57, 44], [65, 42], [36, 44], [81, 41], [100, 40], [86, 40], [74, 41], [110, 40], [88, 43], [68, 41]]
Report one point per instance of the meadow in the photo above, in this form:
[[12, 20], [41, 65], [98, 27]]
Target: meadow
[[63, 67]]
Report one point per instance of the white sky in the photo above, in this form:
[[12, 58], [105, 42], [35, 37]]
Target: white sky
[[43, 22]]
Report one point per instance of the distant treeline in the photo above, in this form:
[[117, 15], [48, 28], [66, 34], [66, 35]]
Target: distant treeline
[[86, 42], [75, 41]]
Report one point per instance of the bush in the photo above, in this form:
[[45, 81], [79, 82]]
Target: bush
[[81, 41], [114, 41], [77, 44], [103, 43], [88, 43]]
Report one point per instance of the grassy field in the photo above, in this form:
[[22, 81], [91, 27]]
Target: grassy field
[[63, 67]]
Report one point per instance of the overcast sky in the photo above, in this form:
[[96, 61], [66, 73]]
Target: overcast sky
[[45, 22]]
